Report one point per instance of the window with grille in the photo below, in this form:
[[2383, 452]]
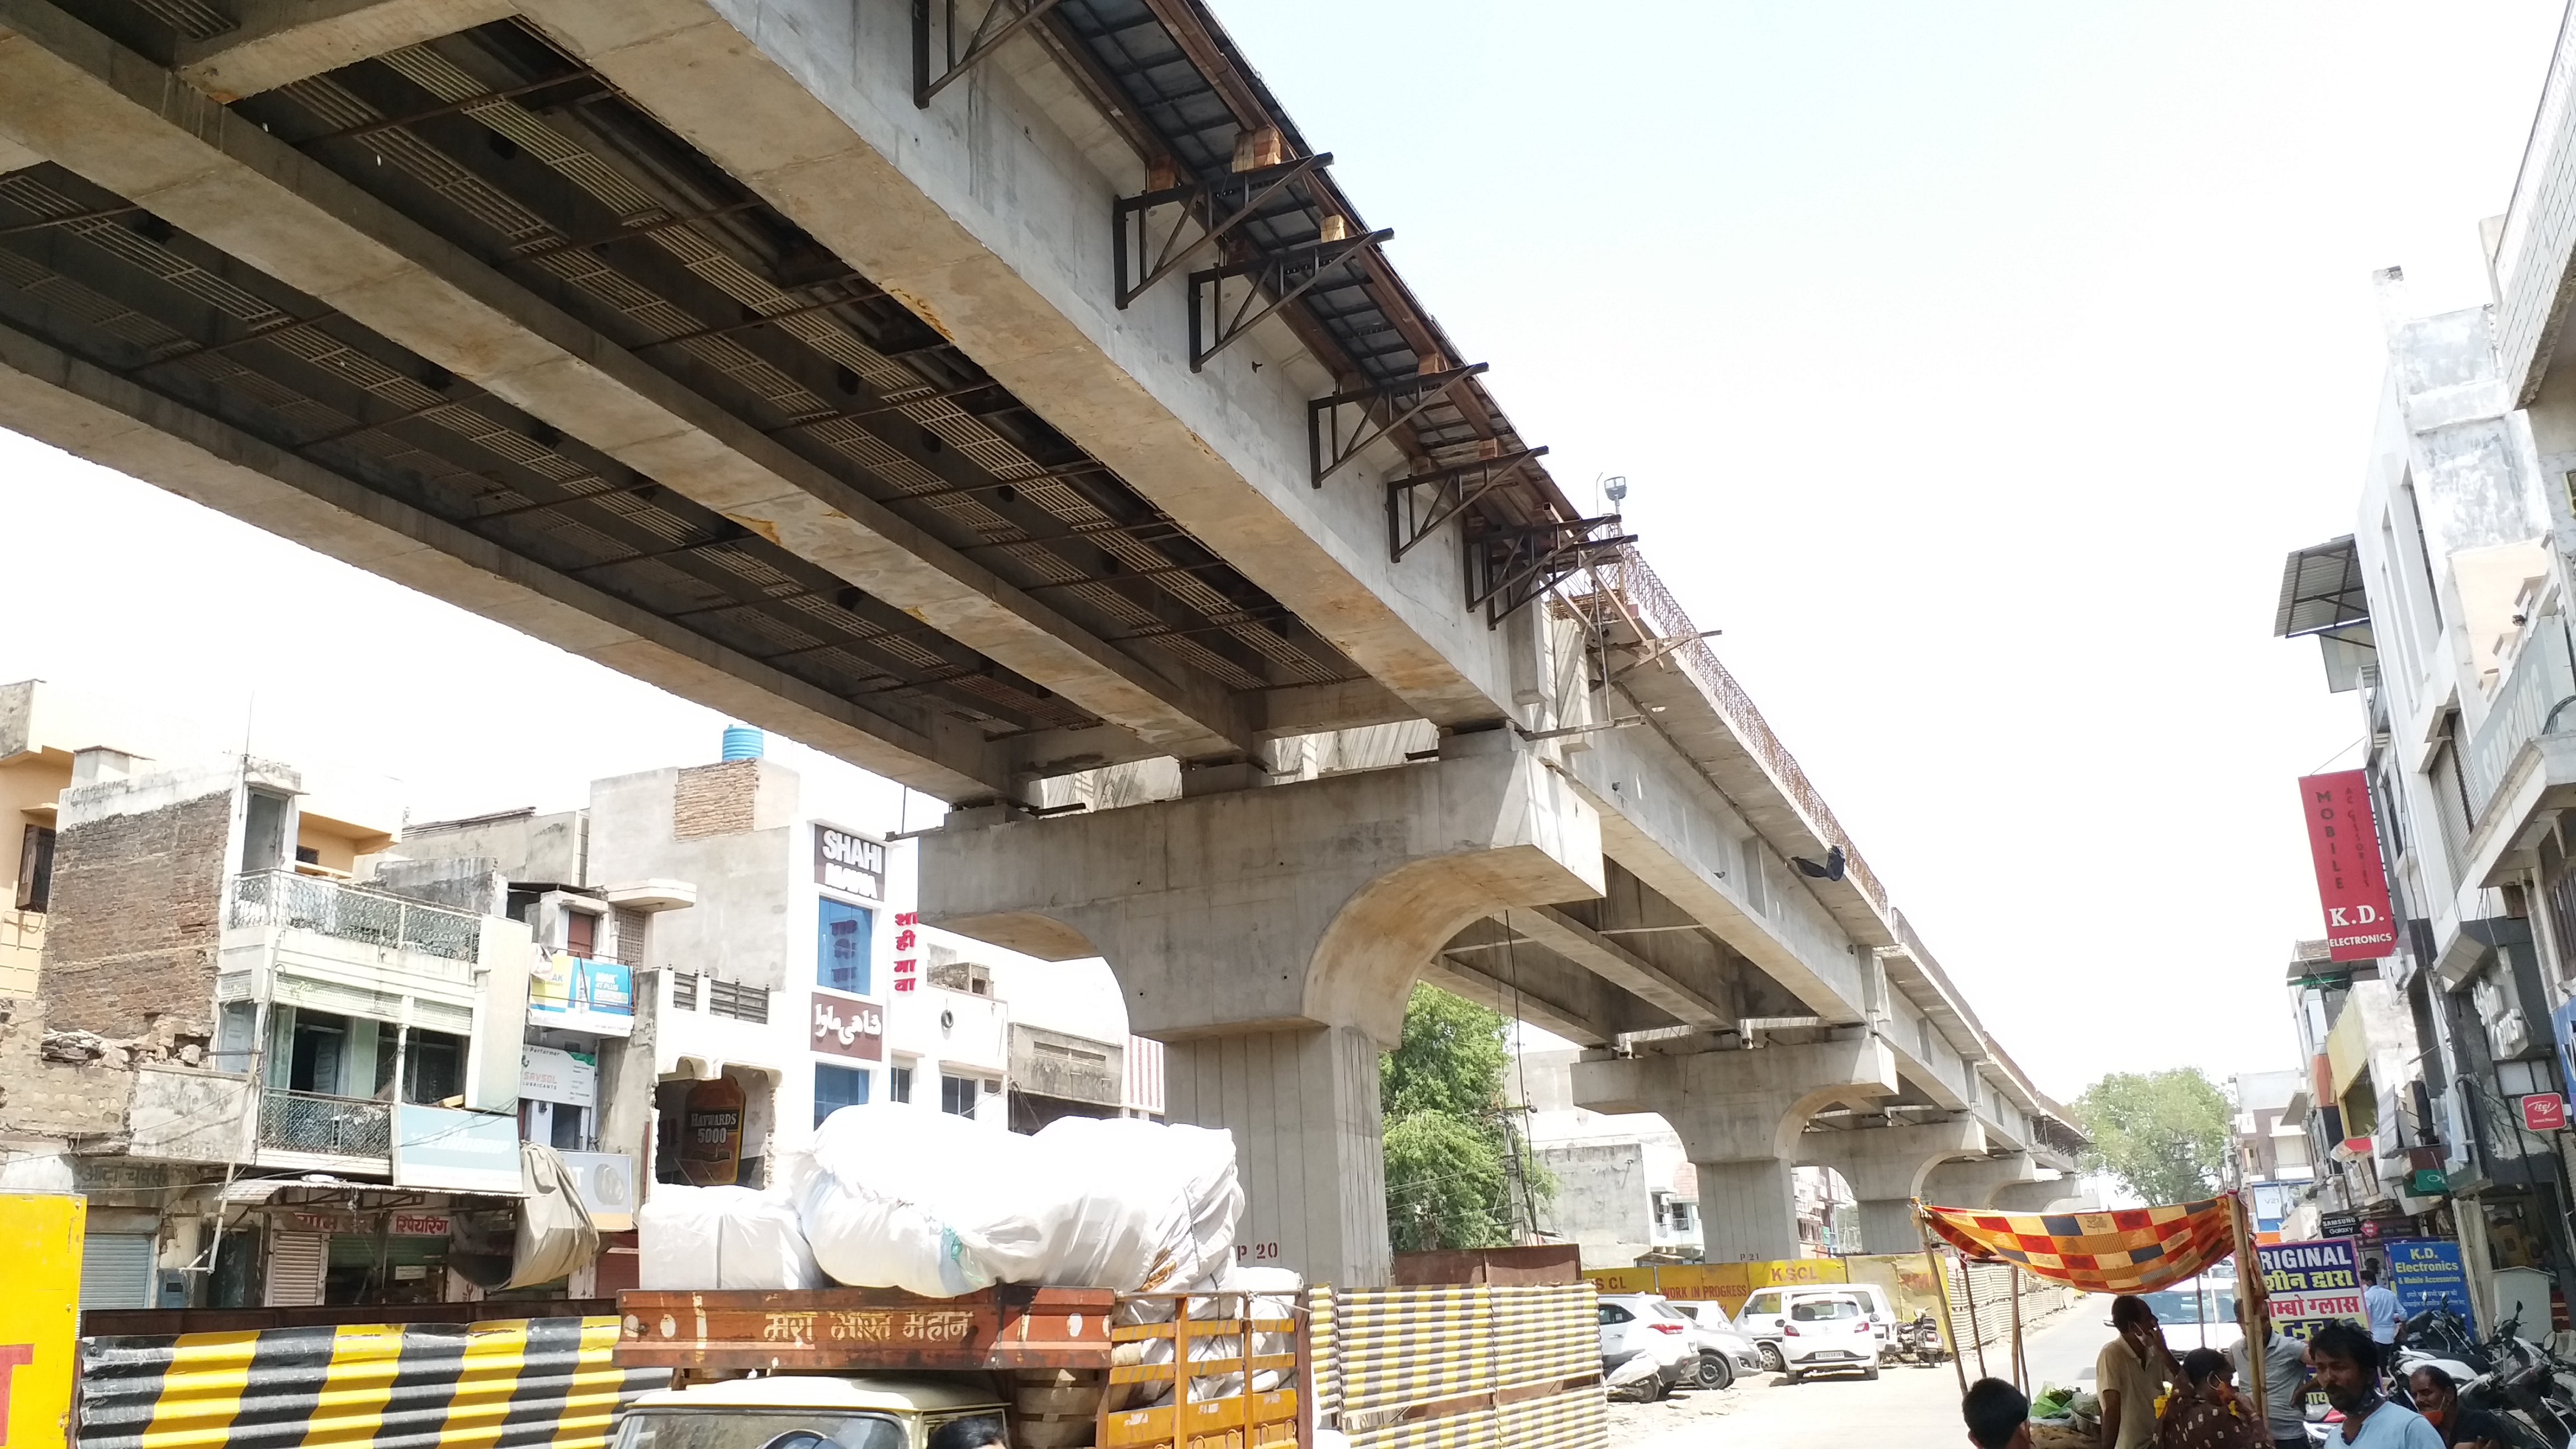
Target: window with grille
[[742, 1003], [958, 1095], [684, 990], [630, 938]]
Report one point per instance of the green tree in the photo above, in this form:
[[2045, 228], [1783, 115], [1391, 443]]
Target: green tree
[[1453, 1157], [2164, 1135]]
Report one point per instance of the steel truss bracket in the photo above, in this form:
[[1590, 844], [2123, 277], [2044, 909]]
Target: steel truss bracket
[[1144, 258], [1380, 411], [1005, 19], [1508, 567], [1416, 506], [1281, 277]]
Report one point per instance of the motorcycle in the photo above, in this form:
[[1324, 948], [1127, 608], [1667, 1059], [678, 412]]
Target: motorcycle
[[1920, 1342], [1637, 1377]]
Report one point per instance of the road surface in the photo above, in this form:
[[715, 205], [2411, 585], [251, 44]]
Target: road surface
[[1907, 1408]]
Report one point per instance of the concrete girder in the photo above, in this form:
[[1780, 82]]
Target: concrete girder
[[1270, 936], [1975, 1184], [279, 42], [1520, 978], [96, 415], [1885, 1167], [809, 104], [1619, 966], [2048, 1195], [72, 96], [1741, 1115]]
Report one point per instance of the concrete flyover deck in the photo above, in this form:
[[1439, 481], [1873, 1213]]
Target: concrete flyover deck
[[996, 410]]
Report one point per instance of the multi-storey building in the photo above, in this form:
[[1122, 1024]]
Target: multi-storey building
[[800, 981], [2445, 612], [284, 1068]]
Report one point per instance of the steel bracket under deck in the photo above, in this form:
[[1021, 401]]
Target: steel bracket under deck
[[1509, 567], [1378, 412], [1416, 506], [1148, 258], [1281, 277], [1005, 19]]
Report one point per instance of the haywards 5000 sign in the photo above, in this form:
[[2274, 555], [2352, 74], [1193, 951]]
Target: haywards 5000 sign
[[2351, 885], [2311, 1284]]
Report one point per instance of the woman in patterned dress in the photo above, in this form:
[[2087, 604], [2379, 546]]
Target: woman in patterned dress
[[2205, 1412]]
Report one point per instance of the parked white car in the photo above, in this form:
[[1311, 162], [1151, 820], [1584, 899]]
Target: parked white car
[[1764, 1313], [1633, 1323], [1828, 1333]]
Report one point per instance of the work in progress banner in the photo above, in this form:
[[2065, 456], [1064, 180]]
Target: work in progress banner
[[2311, 1284]]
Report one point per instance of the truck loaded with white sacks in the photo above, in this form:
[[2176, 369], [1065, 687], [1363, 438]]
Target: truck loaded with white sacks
[[1079, 1286]]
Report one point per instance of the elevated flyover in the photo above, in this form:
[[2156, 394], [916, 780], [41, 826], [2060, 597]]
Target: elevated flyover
[[992, 396]]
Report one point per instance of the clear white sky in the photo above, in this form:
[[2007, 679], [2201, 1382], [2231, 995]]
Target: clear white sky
[[1974, 366]]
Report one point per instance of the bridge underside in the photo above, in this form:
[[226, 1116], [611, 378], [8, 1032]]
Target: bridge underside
[[429, 286]]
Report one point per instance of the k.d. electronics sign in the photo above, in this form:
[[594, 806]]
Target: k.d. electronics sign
[[2351, 885]]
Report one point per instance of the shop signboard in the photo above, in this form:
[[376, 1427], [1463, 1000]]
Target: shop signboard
[[845, 1026], [849, 862], [40, 1240], [446, 1150], [2343, 840], [576, 993], [360, 1225], [2311, 1284], [551, 1074], [2544, 1112], [2428, 1273], [607, 1184]]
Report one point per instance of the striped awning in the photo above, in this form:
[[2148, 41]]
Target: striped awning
[[2134, 1250]]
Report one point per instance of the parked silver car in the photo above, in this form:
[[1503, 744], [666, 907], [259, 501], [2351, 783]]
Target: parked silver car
[[1723, 1352]]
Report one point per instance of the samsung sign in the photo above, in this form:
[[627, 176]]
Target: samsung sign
[[849, 863]]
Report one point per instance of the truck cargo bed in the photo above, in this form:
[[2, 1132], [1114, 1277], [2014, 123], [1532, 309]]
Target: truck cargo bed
[[851, 1330]]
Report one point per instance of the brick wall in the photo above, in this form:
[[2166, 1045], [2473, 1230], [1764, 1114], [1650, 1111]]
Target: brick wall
[[49, 1098], [715, 800], [130, 941]]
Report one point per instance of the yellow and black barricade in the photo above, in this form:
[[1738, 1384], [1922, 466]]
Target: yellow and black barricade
[[504, 1384]]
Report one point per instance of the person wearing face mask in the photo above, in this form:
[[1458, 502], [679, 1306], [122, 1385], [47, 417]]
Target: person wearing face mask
[[2437, 1398], [2130, 1373], [2204, 1411], [2347, 1368]]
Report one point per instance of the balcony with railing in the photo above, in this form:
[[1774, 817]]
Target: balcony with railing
[[315, 1124], [346, 929], [2538, 697]]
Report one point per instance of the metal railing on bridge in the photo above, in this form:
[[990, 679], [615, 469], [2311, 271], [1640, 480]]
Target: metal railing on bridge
[[1634, 587]]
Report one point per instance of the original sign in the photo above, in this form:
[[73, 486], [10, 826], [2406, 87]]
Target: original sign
[[2343, 837], [849, 862], [845, 1026], [2309, 1285], [2544, 1112]]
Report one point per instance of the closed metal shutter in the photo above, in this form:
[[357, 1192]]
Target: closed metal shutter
[[116, 1270], [295, 1263]]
